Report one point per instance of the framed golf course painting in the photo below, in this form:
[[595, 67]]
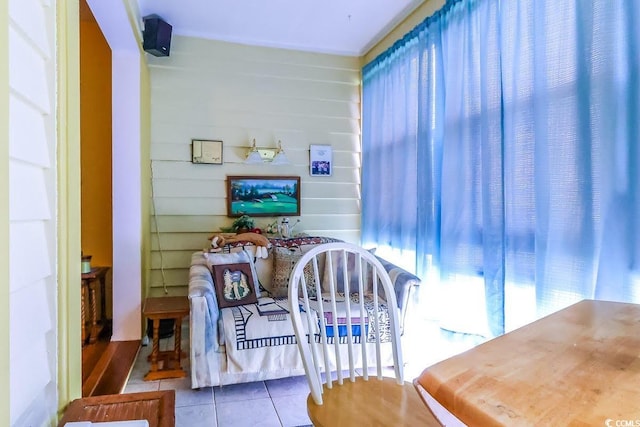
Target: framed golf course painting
[[263, 195]]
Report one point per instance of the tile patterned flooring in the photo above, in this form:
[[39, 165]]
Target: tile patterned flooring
[[277, 403]]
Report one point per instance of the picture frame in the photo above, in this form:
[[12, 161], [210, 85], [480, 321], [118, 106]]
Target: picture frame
[[206, 151], [234, 285], [263, 196], [320, 160]]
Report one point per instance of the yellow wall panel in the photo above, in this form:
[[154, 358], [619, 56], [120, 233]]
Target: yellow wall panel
[[95, 134]]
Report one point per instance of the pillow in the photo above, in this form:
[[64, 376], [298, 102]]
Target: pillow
[[263, 267], [239, 257], [234, 284], [284, 260], [337, 264]]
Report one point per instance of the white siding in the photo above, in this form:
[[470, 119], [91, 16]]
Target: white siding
[[232, 92], [32, 225]]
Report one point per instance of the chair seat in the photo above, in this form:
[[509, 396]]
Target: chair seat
[[370, 403]]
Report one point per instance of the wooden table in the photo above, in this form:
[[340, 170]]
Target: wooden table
[[579, 366], [97, 275], [370, 403], [157, 407], [158, 309]]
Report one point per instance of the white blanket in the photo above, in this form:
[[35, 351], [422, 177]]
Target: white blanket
[[259, 343], [354, 306]]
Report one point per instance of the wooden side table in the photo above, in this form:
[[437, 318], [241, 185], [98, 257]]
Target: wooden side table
[[158, 309], [157, 407], [99, 275]]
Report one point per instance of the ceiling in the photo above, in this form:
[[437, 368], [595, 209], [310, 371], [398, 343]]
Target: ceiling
[[343, 27]]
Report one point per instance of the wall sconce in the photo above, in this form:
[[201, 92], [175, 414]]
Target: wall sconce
[[258, 155], [280, 158]]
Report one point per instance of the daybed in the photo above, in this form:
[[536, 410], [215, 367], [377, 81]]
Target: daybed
[[237, 344]]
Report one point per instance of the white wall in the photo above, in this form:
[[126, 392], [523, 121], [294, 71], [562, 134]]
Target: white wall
[[234, 93], [127, 199], [32, 208], [126, 182], [5, 389]]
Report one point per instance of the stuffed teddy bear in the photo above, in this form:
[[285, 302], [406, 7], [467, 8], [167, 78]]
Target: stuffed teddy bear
[[259, 241]]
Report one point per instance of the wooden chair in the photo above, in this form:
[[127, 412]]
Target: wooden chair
[[333, 323]]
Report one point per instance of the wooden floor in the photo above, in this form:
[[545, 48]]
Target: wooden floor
[[106, 365]]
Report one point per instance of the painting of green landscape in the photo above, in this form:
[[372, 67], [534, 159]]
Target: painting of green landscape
[[263, 195]]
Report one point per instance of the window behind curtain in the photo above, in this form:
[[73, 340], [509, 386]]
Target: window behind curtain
[[522, 118]]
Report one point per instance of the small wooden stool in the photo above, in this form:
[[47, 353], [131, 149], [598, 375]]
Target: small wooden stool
[[158, 309]]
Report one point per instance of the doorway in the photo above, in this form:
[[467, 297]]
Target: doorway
[[111, 160]]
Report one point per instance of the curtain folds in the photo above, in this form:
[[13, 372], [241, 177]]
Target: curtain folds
[[500, 149]]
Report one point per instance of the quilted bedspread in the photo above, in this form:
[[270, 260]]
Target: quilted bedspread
[[255, 342]]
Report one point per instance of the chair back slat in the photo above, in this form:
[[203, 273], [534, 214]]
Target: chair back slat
[[314, 345], [351, 279], [347, 305], [311, 327], [321, 324], [376, 322], [334, 324], [363, 332]]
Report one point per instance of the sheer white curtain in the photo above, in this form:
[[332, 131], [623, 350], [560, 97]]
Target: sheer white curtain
[[500, 142], [571, 98], [391, 162], [401, 148]]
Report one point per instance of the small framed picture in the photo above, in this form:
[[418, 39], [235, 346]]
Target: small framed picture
[[320, 160], [234, 285], [206, 151]]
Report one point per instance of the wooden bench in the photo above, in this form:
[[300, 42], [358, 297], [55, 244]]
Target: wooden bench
[[157, 407]]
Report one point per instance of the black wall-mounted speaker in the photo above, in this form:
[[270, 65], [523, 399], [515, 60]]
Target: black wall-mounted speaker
[[157, 36]]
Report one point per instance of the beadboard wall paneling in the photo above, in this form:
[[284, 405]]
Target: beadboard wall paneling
[[180, 241], [202, 205], [183, 223], [32, 342], [170, 259], [217, 173], [235, 93]]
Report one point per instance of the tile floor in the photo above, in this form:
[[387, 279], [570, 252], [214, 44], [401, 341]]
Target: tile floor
[[277, 403]]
